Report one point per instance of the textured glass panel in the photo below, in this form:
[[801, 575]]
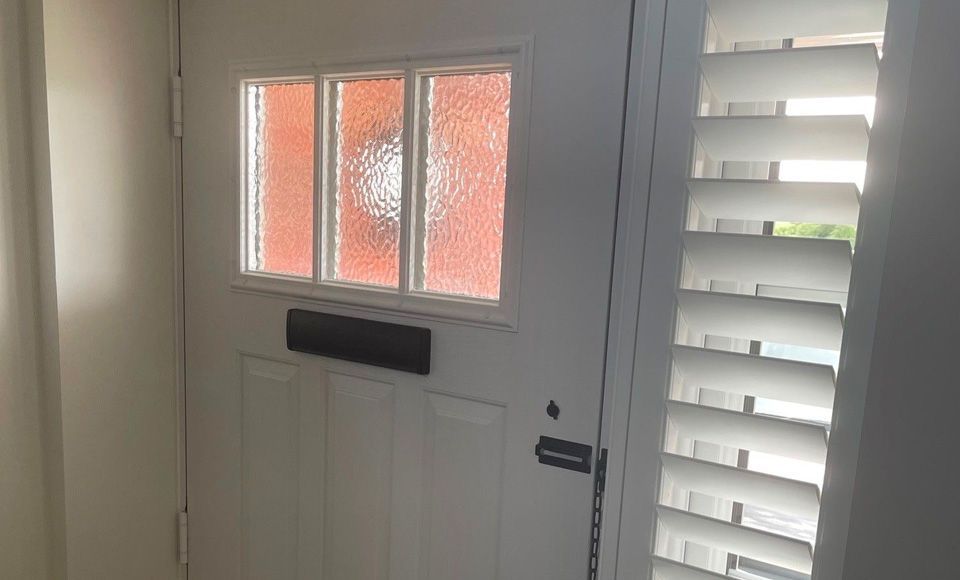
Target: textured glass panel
[[280, 137], [465, 122], [363, 233]]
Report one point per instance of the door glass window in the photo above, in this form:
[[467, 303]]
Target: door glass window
[[364, 167], [279, 145], [386, 188], [463, 135]]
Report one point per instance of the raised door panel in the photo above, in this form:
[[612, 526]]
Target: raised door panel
[[462, 466], [359, 478], [270, 470]]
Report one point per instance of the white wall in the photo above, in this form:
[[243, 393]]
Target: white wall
[[22, 516], [905, 521], [106, 221]]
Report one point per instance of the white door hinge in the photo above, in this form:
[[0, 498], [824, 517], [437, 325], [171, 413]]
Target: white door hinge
[[176, 93], [182, 542]]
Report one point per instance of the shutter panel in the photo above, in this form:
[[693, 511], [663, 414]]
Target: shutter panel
[[743, 290]]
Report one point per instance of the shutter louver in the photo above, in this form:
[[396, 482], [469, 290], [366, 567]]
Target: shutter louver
[[669, 570], [741, 20], [771, 378], [812, 324], [749, 487], [748, 431], [770, 138], [745, 287], [782, 201], [813, 263], [779, 550], [777, 75]]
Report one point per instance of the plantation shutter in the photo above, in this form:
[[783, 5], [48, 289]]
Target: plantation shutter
[[752, 288]]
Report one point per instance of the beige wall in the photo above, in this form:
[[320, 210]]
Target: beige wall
[[22, 517], [106, 274]]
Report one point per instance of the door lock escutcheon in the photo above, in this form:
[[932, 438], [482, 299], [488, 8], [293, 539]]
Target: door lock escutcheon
[[564, 454]]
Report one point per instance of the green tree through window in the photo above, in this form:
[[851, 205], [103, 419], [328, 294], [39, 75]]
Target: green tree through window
[[833, 232]]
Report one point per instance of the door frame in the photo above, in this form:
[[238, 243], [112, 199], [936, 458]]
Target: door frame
[[632, 421]]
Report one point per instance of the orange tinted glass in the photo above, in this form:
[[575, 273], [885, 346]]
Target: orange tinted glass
[[464, 139], [363, 221], [280, 137]]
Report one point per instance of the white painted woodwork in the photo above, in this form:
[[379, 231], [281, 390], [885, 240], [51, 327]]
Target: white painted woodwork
[[792, 73], [758, 376], [803, 441], [762, 200], [741, 485], [462, 467], [778, 138], [739, 20], [270, 392], [778, 550], [665, 569], [302, 467], [813, 263], [838, 298], [359, 477], [758, 318]]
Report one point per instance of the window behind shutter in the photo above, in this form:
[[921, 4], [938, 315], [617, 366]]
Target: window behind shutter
[[780, 142]]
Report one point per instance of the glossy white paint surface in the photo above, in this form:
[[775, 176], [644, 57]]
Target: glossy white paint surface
[[401, 476]]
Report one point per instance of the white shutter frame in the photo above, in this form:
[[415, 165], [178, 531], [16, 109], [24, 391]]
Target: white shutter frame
[[772, 304]]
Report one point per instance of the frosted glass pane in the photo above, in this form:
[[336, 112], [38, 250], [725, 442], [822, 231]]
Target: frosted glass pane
[[363, 232], [279, 143], [463, 136]]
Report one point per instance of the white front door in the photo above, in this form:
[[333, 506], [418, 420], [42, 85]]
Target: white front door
[[316, 164]]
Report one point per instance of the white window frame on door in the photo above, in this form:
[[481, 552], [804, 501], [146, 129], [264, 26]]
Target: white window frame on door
[[514, 55], [632, 418]]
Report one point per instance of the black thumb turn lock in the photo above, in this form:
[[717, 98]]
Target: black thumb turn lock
[[553, 411]]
